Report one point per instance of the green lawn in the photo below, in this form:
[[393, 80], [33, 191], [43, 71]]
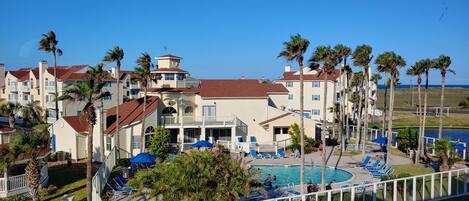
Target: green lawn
[[412, 169], [68, 180]]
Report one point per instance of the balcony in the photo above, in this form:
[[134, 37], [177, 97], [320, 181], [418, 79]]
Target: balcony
[[50, 104], [225, 121], [50, 89], [25, 88], [13, 87], [134, 86]]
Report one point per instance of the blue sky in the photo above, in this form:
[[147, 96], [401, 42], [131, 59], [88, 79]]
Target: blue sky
[[230, 39]]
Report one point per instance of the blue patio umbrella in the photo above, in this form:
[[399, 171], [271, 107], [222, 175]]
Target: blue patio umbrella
[[143, 158], [201, 144], [380, 140], [459, 147]]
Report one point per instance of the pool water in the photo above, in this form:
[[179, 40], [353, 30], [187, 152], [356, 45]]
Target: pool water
[[287, 175]]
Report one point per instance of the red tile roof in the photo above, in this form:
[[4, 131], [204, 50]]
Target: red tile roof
[[319, 76], [274, 118], [20, 74], [130, 112], [63, 72], [180, 70], [6, 129], [238, 88], [79, 125]]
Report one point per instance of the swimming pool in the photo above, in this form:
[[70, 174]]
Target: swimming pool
[[288, 174]]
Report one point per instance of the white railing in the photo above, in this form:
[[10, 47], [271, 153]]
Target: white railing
[[3, 185], [188, 84], [434, 186], [134, 86], [51, 104], [198, 120], [50, 88], [25, 88], [13, 87], [100, 178], [17, 182], [430, 143]]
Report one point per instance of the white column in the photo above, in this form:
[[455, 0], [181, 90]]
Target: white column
[[202, 133], [181, 137], [233, 135]]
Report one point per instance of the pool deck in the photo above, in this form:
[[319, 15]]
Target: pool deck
[[347, 163]]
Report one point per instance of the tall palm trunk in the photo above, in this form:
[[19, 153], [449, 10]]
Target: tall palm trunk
[[33, 177], [101, 136], [118, 66], [424, 120], [391, 108], [323, 134], [366, 96], [419, 113], [302, 128], [142, 135], [442, 99], [89, 164], [359, 118], [385, 108], [347, 123], [56, 90]]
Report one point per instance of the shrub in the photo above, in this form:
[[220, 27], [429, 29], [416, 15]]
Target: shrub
[[407, 139], [49, 190], [159, 143], [123, 162]]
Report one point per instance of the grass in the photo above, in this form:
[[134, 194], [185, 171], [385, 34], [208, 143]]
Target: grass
[[412, 169], [403, 97], [68, 180], [409, 119]]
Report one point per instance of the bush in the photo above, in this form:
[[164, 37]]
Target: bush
[[49, 190], [123, 162], [159, 143], [407, 139]]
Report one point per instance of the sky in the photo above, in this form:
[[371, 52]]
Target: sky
[[230, 39]]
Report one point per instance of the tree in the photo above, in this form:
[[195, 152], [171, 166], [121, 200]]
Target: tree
[[197, 175], [142, 74], [326, 56], [375, 78], [10, 109], [390, 62], [357, 99], [294, 50], [89, 92], [28, 145], [445, 150], [362, 57], [32, 113], [342, 52], [159, 143], [48, 43], [407, 139], [442, 63], [116, 55], [425, 64], [99, 75], [417, 70]]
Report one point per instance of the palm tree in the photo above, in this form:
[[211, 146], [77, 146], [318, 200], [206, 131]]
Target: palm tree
[[32, 113], [390, 62], [442, 63], [342, 52], [48, 43], [294, 50], [29, 144], [99, 74], [357, 83], [116, 55], [329, 59], [349, 73], [417, 70], [142, 74], [362, 57], [426, 65], [375, 78], [445, 151], [89, 91], [10, 109]]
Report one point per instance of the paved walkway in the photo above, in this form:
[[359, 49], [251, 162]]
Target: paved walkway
[[348, 163]]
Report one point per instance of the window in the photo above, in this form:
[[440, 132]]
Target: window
[[316, 111], [149, 130], [108, 143], [307, 115], [25, 83], [148, 134], [181, 76], [169, 110], [107, 97], [280, 130], [128, 93], [169, 76], [127, 83], [316, 84], [136, 142], [78, 113], [25, 97], [290, 96], [316, 97], [107, 84], [188, 110], [289, 84], [31, 83]]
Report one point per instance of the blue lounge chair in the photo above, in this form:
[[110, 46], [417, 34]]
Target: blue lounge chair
[[119, 190], [120, 181], [253, 153], [267, 155], [374, 165], [381, 168], [281, 153], [272, 155], [365, 161], [381, 174]]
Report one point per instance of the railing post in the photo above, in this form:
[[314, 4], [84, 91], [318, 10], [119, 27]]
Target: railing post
[[394, 191], [405, 189], [329, 196], [374, 192], [414, 189], [449, 183], [352, 194], [432, 187], [465, 180], [423, 188]]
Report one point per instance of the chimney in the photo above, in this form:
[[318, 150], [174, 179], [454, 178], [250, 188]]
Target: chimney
[[287, 68], [113, 72], [2, 75]]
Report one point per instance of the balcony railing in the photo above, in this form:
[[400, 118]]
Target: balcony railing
[[134, 86], [18, 184], [25, 88], [50, 88], [198, 120], [13, 87], [51, 104]]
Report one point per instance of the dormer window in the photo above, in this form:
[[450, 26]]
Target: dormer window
[[181, 76]]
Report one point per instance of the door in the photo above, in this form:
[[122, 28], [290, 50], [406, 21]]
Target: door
[[209, 112]]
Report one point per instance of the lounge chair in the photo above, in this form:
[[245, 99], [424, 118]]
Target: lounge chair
[[281, 153], [253, 153], [120, 181], [374, 165], [381, 168], [267, 155], [119, 191], [365, 161], [381, 174]]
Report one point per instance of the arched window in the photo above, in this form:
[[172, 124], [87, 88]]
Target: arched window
[[169, 110], [149, 130], [188, 110]]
